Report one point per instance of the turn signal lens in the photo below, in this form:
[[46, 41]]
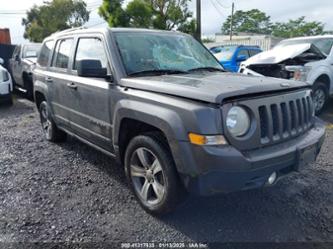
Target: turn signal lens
[[206, 140]]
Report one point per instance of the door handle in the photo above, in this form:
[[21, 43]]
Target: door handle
[[48, 79], [72, 85]]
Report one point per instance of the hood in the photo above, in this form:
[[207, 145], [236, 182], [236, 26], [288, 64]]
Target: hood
[[279, 54], [210, 87]]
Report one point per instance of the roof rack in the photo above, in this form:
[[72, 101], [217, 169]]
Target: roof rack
[[70, 30]]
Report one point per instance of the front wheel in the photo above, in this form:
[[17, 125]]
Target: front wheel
[[151, 172], [51, 132], [320, 97]]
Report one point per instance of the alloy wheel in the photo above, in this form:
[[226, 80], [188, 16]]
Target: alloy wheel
[[147, 176], [46, 122], [319, 99]]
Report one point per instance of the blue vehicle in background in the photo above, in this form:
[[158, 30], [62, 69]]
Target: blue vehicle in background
[[230, 56]]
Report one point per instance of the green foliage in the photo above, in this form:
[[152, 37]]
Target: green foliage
[[140, 13], [41, 21], [297, 27], [252, 21], [169, 14], [158, 14], [113, 13], [188, 27], [255, 21]]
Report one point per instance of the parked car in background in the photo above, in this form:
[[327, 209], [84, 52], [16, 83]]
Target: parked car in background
[[307, 59], [231, 56], [162, 105], [23, 59], [6, 85]]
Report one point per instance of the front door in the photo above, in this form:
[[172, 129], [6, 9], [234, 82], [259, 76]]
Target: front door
[[90, 117]]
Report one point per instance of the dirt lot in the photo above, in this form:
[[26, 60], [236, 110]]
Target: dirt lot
[[70, 192]]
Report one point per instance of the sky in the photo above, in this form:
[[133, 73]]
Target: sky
[[214, 12]]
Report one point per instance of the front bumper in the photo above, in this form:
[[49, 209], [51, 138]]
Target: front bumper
[[224, 169]]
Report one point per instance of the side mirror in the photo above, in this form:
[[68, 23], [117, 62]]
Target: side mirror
[[17, 57], [1, 61], [91, 68], [241, 58]]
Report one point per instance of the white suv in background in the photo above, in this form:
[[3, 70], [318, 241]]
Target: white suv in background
[[6, 85], [308, 59]]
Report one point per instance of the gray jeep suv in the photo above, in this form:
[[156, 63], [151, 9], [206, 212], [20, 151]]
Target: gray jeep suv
[[163, 106]]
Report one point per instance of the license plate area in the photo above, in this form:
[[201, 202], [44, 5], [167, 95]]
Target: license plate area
[[306, 156]]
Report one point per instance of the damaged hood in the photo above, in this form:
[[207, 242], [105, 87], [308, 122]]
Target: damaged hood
[[279, 54], [209, 87]]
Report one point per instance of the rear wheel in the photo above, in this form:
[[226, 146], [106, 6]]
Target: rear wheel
[[151, 172], [51, 132], [29, 87], [320, 96]]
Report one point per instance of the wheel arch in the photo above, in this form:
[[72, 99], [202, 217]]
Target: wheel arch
[[325, 79]]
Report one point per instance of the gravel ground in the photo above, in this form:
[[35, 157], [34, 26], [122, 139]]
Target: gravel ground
[[70, 192]]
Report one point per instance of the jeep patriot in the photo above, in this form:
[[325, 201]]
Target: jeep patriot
[[162, 105]]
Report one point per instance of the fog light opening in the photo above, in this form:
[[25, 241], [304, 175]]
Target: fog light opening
[[272, 178]]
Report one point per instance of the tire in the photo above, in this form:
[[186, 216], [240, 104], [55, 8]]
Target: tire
[[29, 87], [51, 132], [157, 187], [320, 97], [10, 101]]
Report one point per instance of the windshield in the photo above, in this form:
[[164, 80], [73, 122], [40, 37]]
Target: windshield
[[323, 44], [31, 51], [162, 51], [224, 53]]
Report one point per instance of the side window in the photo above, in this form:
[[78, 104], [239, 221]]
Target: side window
[[244, 52], [45, 53], [62, 53], [90, 49], [17, 51], [253, 52]]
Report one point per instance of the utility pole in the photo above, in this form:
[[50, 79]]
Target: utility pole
[[198, 31], [232, 20]]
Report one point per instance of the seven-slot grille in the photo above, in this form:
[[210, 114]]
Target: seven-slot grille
[[279, 121]]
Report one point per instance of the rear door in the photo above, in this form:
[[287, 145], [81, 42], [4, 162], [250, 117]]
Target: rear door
[[58, 80], [90, 117]]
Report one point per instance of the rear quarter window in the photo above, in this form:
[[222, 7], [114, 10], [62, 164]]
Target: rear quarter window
[[45, 53]]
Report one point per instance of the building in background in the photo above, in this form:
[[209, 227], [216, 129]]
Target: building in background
[[5, 36], [6, 49], [265, 42]]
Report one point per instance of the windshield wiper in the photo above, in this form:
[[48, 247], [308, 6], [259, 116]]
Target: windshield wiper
[[210, 69], [158, 72]]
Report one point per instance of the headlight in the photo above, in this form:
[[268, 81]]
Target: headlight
[[300, 73], [238, 121]]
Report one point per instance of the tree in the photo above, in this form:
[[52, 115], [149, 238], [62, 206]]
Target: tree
[[188, 27], [42, 21], [113, 13], [169, 14], [252, 21], [158, 14], [140, 14], [297, 27]]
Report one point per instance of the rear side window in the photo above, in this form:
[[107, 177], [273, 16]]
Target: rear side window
[[253, 52], [3, 75], [244, 52], [90, 49], [45, 53], [62, 53]]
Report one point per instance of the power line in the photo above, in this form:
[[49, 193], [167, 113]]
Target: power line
[[217, 7], [223, 6]]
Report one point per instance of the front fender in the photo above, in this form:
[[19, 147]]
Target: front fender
[[319, 70], [168, 121]]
